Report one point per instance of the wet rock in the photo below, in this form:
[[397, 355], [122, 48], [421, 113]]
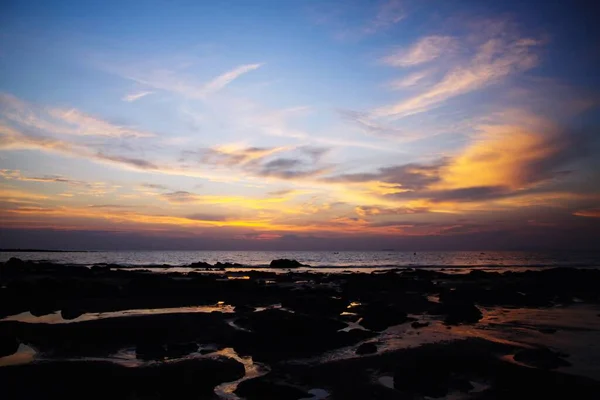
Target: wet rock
[[320, 303], [244, 309], [262, 388], [150, 351], [459, 311], [285, 263], [177, 350], [418, 324], [221, 265], [8, 345], [200, 264], [417, 379], [189, 379], [277, 334], [548, 331], [14, 262], [71, 313], [378, 317], [543, 358], [366, 348]]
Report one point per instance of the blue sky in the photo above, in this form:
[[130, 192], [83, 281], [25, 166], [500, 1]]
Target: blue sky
[[280, 124]]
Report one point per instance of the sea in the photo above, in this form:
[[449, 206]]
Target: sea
[[323, 259]]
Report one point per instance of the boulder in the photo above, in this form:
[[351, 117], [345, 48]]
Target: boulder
[[71, 313], [285, 263], [200, 264], [366, 348], [378, 317]]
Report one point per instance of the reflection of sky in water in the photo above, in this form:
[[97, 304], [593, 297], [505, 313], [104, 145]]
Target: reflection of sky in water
[[56, 318], [578, 334], [24, 355]]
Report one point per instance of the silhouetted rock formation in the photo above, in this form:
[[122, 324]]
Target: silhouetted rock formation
[[285, 263]]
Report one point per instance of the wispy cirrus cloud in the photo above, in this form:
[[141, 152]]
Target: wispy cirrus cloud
[[136, 96], [389, 13], [498, 55], [225, 79], [409, 80], [423, 51], [181, 83], [61, 121]]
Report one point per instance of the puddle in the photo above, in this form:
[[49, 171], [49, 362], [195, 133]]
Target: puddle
[[56, 318], [25, 354], [387, 381], [253, 370], [317, 394]]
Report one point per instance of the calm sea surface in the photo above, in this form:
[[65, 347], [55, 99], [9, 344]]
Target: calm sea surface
[[351, 259]]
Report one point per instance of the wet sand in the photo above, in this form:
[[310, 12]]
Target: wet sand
[[72, 332]]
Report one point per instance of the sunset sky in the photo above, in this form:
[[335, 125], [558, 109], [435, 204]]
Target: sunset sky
[[299, 124]]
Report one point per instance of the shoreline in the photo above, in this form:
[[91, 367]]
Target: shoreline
[[394, 332]]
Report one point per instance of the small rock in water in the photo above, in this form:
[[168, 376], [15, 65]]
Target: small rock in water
[[285, 263], [366, 348]]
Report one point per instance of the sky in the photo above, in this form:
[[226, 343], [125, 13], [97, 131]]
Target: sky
[[299, 125]]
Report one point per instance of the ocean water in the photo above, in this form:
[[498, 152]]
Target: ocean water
[[322, 259]]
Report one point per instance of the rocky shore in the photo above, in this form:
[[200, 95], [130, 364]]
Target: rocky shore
[[129, 334]]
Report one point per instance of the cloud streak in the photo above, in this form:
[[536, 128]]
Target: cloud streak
[[423, 51], [496, 58], [130, 98]]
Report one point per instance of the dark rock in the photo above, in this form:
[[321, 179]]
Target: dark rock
[[378, 317], [366, 348], [417, 324], [150, 351], [188, 379], [177, 350], [8, 345], [285, 263], [222, 266], [320, 303], [200, 264], [459, 311], [71, 313], [462, 385], [277, 334], [15, 262], [262, 388], [547, 331], [244, 309], [417, 379], [543, 358]]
